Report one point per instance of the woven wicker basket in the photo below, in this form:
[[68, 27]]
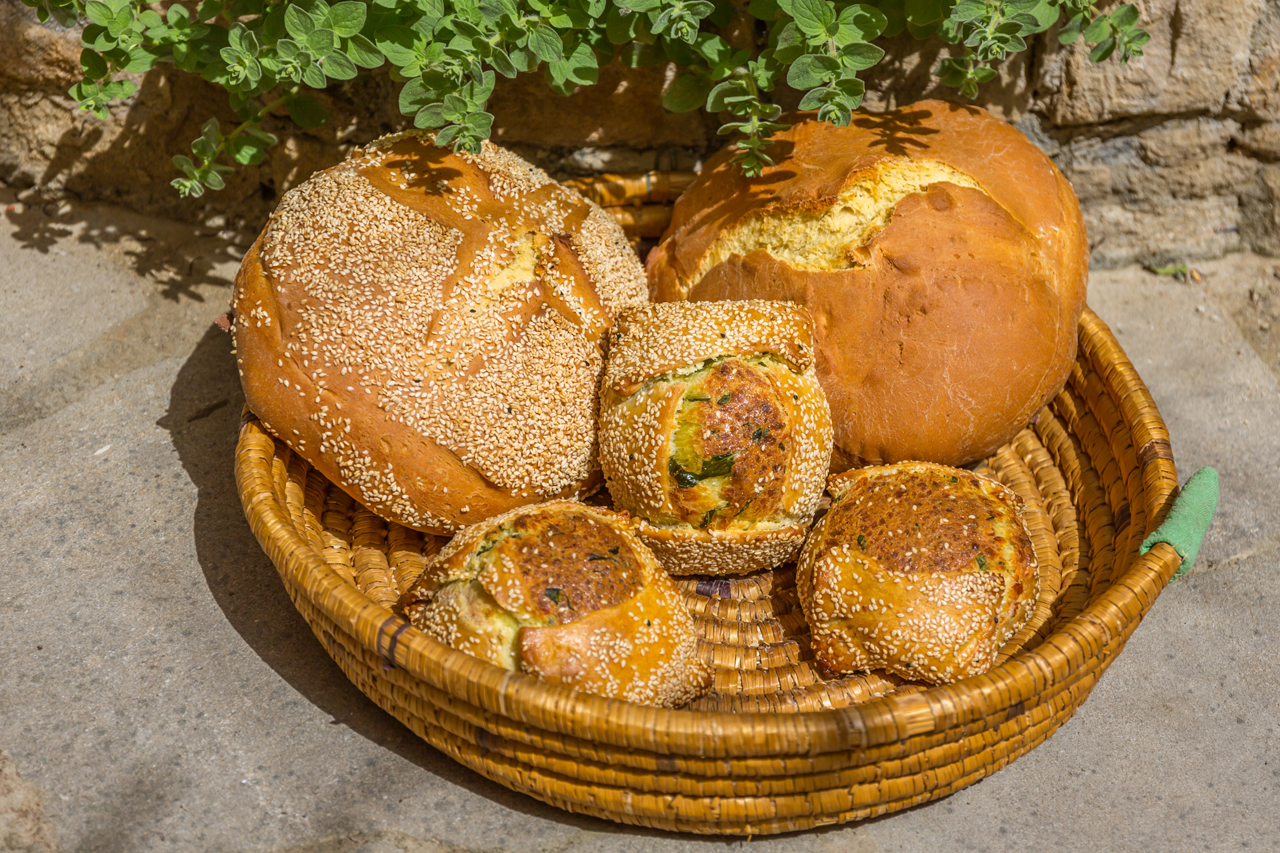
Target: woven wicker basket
[[773, 748]]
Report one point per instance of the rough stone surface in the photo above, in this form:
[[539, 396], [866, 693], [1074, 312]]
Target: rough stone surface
[[1262, 141], [1260, 206], [1167, 152], [619, 110], [159, 692], [23, 828], [1199, 50], [1256, 92], [905, 75]]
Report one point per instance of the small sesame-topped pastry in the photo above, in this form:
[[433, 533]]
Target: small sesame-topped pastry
[[566, 592], [714, 431], [427, 329], [919, 569]]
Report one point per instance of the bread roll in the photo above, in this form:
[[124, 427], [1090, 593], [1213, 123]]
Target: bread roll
[[565, 592], [714, 432], [425, 328], [943, 258], [918, 569]]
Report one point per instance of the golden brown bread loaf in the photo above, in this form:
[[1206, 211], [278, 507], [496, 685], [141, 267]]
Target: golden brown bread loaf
[[714, 432], [564, 591], [426, 329], [943, 258], [919, 569]]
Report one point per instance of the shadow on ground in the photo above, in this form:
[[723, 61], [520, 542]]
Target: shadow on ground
[[181, 260]]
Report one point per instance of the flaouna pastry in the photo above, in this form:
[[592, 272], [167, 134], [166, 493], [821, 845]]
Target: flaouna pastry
[[714, 432]]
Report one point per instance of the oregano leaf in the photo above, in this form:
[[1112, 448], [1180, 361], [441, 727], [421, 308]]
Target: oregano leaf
[[397, 43], [313, 77], [502, 63], [620, 26], [306, 111], [246, 150], [860, 23], [140, 60], [414, 96], [432, 115], [448, 135], [321, 43], [1104, 49], [811, 70], [686, 92], [1098, 30], [298, 23], [347, 18], [858, 57], [1125, 16], [92, 64], [718, 94], [338, 66], [98, 13], [364, 52], [811, 16], [545, 44], [579, 67], [763, 10]]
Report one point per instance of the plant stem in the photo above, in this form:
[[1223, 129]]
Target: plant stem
[[244, 125]]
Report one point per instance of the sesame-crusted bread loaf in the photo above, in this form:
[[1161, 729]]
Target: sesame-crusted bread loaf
[[426, 329], [943, 258], [919, 569], [714, 432], [566, 592]]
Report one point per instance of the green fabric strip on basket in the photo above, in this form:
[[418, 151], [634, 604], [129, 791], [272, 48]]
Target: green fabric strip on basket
[[1185, 525]]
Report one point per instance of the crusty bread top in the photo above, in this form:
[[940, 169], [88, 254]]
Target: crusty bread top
[[427, 329], [847, 181], [650, 340], [922, 569], [921, 517]]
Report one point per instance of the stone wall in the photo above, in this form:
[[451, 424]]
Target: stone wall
[[1175, 156]]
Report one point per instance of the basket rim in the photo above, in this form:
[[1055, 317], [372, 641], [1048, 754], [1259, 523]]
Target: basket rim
[[890, 719]]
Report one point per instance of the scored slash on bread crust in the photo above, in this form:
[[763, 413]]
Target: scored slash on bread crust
[[919, 569], [427, 329], [714, 432], [564, 591], [942, 256]]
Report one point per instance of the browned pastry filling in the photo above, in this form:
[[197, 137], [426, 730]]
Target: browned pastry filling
[[567, 565], [729, 454]]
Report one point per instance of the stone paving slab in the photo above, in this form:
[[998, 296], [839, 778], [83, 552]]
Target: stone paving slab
[[158, 692]]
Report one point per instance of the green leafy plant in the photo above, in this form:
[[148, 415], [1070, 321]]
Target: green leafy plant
[[731, 54]]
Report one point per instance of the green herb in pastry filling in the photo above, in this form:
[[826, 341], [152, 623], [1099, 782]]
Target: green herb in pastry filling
[[727, 454]]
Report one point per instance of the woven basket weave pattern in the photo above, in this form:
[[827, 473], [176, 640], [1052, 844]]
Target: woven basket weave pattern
[[773, 747]]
